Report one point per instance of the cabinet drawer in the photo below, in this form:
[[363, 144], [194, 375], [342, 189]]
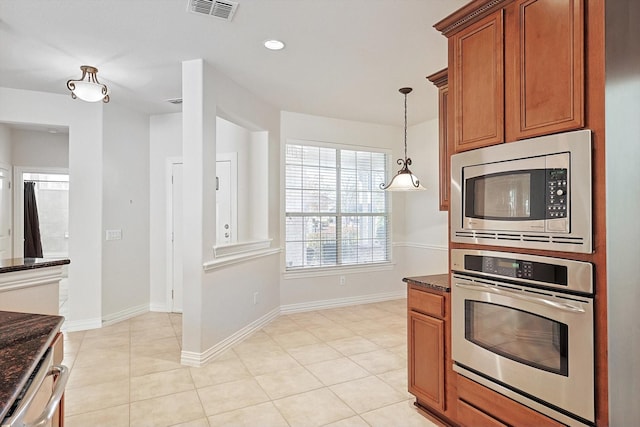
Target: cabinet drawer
[[470, 416], [497, 405], [425, 302]]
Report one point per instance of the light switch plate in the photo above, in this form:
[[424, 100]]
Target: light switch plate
[[113, 235]]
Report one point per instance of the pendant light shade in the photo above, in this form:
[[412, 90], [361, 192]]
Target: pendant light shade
[[404, 180], [88, 88]]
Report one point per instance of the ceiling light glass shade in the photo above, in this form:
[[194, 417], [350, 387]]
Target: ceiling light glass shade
[[404, 180], [88, 88]]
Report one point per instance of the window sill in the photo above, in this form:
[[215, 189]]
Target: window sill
[[238, 253], [240, 248], [337, 270]]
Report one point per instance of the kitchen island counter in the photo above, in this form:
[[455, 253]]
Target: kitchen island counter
[[24, 339], [439, 282], [31, 285], [18, 264]]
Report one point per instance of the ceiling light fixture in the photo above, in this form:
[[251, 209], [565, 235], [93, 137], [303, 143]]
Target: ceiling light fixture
[[89, 89], [274, 44], [404, 180]]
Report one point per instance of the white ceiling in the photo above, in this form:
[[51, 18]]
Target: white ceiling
[[343, 58]]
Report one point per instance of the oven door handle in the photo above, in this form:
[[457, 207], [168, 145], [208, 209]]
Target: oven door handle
[[559, 305]]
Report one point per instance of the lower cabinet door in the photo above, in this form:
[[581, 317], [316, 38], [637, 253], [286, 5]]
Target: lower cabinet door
[[477, 403], [426, 364]]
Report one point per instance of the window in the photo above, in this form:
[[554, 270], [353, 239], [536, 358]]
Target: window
[[336, 214]]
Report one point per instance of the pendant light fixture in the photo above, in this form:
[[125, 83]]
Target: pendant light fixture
[[404, 180], [89, 89]]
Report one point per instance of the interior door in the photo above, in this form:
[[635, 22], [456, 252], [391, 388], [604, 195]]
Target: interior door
[[225, 233], [5, 212], [176, 237]]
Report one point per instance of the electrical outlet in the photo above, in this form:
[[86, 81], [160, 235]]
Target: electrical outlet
[[255, 298], [343, 280]]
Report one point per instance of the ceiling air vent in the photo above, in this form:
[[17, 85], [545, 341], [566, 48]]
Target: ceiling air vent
[[217, 8]]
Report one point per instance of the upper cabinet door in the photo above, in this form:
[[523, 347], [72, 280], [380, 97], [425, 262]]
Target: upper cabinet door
[[476, 83], [544, 67], [441, 80]]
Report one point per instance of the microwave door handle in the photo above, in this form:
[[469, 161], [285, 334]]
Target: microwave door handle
[[530, 298]]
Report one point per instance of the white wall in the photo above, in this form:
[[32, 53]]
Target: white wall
[[125, 273], [165, 142], [622, 101], [260, 180], [40, 148], [165, 146], [85, 202], [108, 190], [298, 293], [219, 302], [425, 242], [5, 144]]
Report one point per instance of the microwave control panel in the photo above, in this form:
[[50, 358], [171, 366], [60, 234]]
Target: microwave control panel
[[557, 193]]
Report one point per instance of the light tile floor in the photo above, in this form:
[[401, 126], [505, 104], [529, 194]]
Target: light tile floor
[[339, 367]]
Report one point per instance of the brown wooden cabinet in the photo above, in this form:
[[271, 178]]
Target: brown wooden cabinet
[[544, 54], [477, 84], [553, 81], [516, 70], [440, 79], [428, 343], [468, 415], [426, 379], [479, 406]]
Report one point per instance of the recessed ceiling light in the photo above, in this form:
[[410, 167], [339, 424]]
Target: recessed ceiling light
[[274, 44]]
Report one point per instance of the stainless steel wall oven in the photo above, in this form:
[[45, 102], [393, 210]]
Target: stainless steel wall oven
[[523, 325]]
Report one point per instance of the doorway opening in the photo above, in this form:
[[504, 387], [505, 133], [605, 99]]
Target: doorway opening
[[52, 199]]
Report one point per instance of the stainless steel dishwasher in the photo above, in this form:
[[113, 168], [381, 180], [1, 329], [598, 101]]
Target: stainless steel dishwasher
[[39, 399]]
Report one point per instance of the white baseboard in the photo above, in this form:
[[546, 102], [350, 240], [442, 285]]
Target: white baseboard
[[81, 325], [341, 302], [162, 308], [125, 314], [190, 358]]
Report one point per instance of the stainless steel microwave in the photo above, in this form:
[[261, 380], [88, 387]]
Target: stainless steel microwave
[[534, 193]]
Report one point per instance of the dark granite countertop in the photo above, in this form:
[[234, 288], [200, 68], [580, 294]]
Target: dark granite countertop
[[438, 282], [16, 264], [24, 338]]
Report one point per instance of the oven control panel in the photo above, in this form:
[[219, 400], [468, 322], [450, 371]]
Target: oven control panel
[[529, 270], [517, 268], [507, 267]]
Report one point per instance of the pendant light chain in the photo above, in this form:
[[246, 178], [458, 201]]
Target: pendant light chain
[[404, 180], [405, 126]]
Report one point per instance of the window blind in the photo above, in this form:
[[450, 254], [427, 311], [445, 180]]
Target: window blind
[[336, 213]]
